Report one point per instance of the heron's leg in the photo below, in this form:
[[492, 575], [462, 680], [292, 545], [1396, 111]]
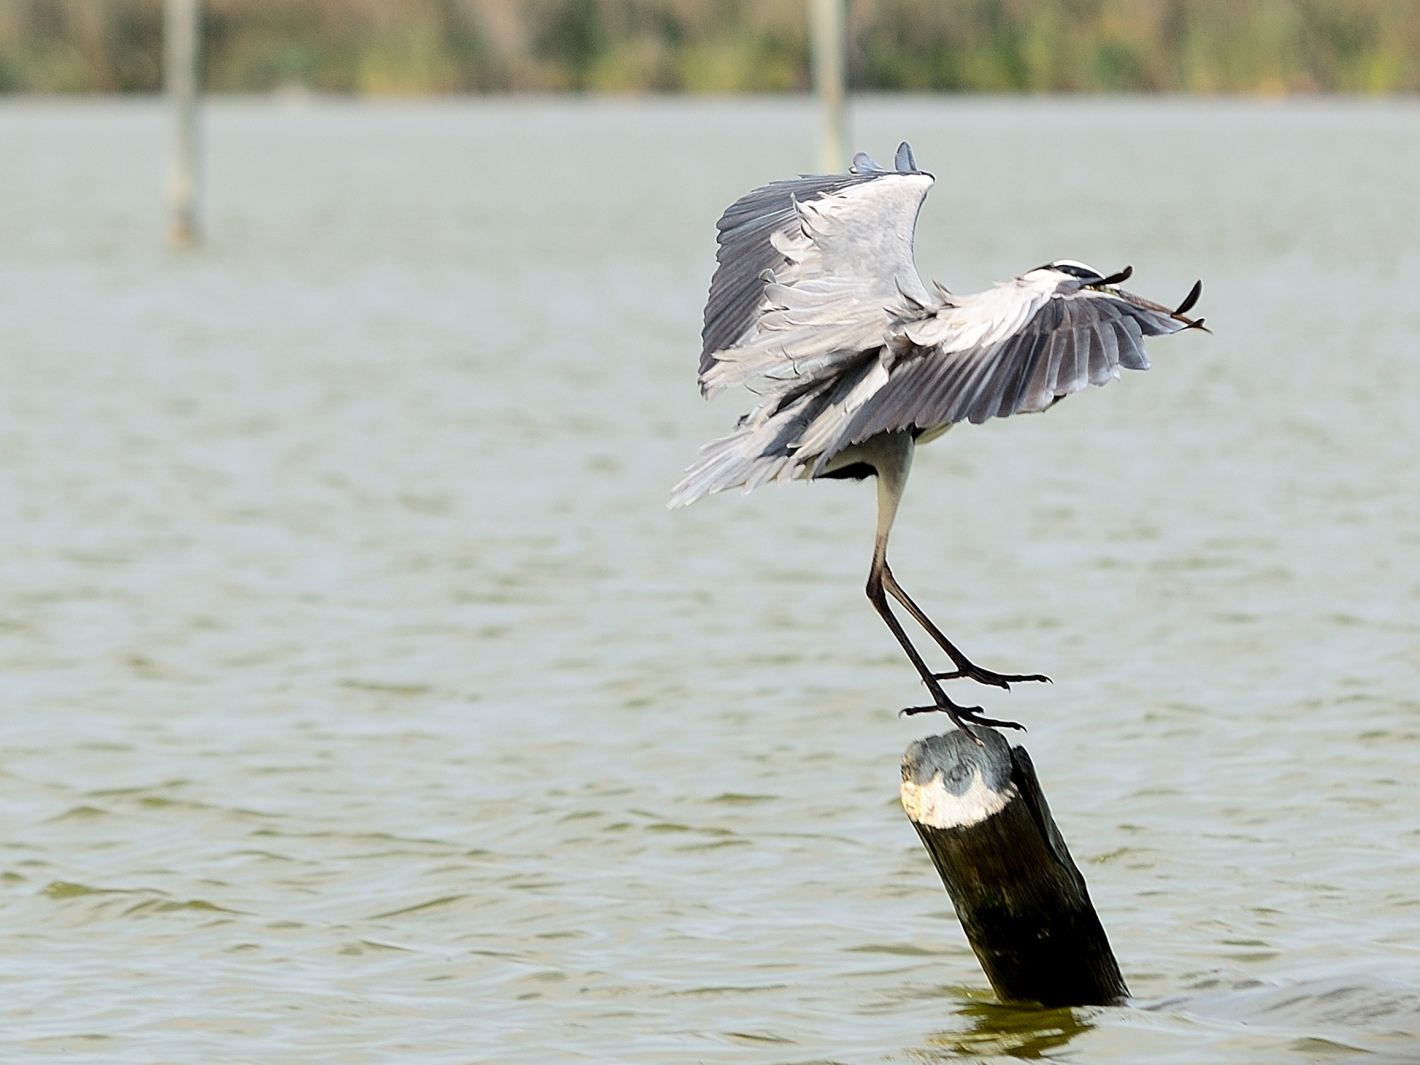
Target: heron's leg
[[961, 715], [891, 456], [965, 667]]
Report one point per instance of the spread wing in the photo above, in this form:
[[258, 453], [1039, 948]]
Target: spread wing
[[1018, 347], [811, 272]]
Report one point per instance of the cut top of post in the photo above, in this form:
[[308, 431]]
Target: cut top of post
[[952, 781]]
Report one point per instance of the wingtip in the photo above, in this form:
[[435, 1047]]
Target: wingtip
[[903, 160]]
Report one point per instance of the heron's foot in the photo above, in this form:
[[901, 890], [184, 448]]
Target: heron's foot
[[962, 716], [986, 676]]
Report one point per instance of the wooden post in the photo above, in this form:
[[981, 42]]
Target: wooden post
[[828, 39], [182, 47], [1021, 900]]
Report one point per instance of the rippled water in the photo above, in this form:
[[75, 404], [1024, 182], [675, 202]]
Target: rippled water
[[363, 704]]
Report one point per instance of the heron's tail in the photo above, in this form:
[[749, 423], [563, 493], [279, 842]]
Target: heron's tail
[[729, 462], [762, 449]]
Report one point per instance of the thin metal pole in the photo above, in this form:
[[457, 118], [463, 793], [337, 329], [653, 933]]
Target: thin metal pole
[[828, 36], [182, 44]]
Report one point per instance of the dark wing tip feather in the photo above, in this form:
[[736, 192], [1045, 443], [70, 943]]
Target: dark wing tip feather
[[1119, 278], [1190, 299]]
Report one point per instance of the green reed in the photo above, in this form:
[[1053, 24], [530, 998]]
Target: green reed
[[713, 46]]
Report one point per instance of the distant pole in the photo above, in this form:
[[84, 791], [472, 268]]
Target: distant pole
[[182, 46], [828, 37], [1021, 900]]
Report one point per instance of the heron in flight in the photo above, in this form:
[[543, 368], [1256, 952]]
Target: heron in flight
[[816, 306]]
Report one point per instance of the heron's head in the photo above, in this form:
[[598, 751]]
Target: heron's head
[[1068, 274], [1086, 274]]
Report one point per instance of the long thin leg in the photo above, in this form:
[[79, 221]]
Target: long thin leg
[[965, 667], [891, 456]]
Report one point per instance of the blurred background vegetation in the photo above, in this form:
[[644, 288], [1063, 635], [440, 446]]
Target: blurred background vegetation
[[382, 47]]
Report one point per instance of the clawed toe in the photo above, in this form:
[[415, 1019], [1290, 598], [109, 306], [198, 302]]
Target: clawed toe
[[986, 676], [991, 722], [952, 709], [962, 716]]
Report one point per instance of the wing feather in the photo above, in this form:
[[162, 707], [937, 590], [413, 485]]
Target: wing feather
[[1077, 336], [746, 252], [811, 274], [1131, 344]]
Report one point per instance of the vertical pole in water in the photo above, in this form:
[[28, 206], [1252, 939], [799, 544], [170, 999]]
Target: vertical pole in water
[[828, 37], [182, 36]]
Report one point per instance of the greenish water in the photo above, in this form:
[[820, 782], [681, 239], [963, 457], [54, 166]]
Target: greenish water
[[361, 702]]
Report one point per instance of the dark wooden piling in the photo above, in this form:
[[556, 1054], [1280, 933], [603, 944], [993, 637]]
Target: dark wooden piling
[[1021, 900]]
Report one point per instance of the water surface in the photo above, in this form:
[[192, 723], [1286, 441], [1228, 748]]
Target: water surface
[[362, 703]]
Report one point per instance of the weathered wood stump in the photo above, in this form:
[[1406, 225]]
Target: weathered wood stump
[[1021, 900]]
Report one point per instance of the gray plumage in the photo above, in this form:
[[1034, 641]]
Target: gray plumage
[[816, 306]]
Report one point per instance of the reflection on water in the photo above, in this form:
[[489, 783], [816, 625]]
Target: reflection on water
[[363, 703], [998, 1030]]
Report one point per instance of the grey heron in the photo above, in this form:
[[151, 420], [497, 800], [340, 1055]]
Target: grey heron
[[816, 306]]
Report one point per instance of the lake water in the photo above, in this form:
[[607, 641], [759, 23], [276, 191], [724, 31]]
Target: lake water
[[362, 703]]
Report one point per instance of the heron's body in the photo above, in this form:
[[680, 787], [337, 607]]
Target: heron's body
[[818, 308]]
